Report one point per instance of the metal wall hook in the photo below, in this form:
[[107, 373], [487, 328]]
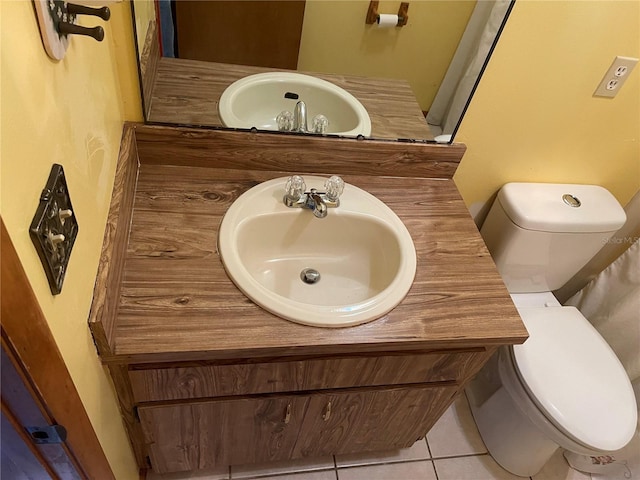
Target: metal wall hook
[[70, 28], [104, 13], [73, 29]]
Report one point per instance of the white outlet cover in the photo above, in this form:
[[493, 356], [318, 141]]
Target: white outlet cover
[[615, 77]]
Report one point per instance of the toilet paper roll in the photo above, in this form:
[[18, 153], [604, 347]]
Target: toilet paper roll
[[387, 20]]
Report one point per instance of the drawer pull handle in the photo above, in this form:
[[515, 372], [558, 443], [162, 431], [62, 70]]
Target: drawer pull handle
[[287, 415], [327, 412]]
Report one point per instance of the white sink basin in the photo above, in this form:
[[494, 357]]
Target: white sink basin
[[363, 252], [256, 101]]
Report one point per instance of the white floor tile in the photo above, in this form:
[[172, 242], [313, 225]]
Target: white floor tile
[[455, 433], [477, 467], [323, 475], [418, 451], [279, 468], [221, 473], [421, 470], [630, 459], [557, 468], [625, 470]]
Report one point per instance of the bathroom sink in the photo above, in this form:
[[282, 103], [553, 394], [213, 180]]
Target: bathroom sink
[[361, 250], [257, 100]]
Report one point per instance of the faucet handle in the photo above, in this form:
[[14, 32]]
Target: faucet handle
[[334, 187], [294, 188], [285, 121], [319, 124]]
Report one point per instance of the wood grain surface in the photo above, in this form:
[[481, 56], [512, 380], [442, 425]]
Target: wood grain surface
[[250, 430], [186, 92], [128, 412], [106, 292], [177, 303], [373, 421], [288, 376], [294, 153]]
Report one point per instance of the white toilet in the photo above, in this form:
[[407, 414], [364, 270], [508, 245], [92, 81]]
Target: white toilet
[[564, 387]]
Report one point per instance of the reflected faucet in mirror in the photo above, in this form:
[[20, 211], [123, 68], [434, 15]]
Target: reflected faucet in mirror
[[331, 40], [297, 121], [300, 118]]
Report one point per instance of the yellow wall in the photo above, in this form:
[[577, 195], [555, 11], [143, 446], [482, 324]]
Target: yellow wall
[[533, 117], [69, 112], [335, 39]]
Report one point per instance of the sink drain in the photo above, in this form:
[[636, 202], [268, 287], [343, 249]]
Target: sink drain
[[310, 276]]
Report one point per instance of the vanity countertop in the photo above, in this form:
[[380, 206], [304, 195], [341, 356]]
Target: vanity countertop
[[175, 302], [186, 92]]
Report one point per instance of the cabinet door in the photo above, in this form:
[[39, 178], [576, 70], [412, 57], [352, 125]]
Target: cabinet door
[[207, 434], [370, 420]]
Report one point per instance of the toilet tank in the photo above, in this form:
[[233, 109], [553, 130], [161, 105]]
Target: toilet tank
[[540, 234]]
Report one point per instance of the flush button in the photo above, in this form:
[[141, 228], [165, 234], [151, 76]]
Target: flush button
[[571, 200]]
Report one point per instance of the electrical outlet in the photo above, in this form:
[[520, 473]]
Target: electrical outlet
[[615, 76], [621, 71], [612, 84]]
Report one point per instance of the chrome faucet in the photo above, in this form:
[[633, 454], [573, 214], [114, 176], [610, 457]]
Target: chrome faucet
[[300, 117], [297, 196], [316, 203], [297, 121]]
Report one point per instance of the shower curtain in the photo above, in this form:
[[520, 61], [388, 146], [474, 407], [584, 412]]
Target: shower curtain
[[478, 38], [611, 302]]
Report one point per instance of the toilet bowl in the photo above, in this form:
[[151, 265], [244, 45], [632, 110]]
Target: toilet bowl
[[552, 391], [564, 387]]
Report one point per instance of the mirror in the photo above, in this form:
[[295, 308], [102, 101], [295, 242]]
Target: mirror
[[414, 80]]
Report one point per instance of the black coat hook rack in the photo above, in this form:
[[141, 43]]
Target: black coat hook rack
[[57, 21]]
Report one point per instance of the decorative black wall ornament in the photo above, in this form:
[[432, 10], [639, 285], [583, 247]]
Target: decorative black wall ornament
[[54, 228], [57, 21]]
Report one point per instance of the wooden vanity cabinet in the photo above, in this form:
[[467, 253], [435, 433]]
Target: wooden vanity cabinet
[[212, 433], [205, 377], [203, 416]]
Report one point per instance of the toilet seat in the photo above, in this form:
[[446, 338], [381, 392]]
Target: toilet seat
[[575, 379], [530, 408]]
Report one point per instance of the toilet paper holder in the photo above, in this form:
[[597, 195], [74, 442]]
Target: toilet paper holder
[[373, 15]]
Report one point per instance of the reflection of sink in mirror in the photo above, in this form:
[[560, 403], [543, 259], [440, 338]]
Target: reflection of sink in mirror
[[307, 38], [351, 267], [258, 100]]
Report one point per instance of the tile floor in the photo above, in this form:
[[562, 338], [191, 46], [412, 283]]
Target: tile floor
[[453, 450]]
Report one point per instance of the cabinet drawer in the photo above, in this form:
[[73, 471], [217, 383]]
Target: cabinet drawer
[[190, 382], [207, 434]]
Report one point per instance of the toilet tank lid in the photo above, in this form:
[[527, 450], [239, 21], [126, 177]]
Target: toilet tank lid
[[561, 207]]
